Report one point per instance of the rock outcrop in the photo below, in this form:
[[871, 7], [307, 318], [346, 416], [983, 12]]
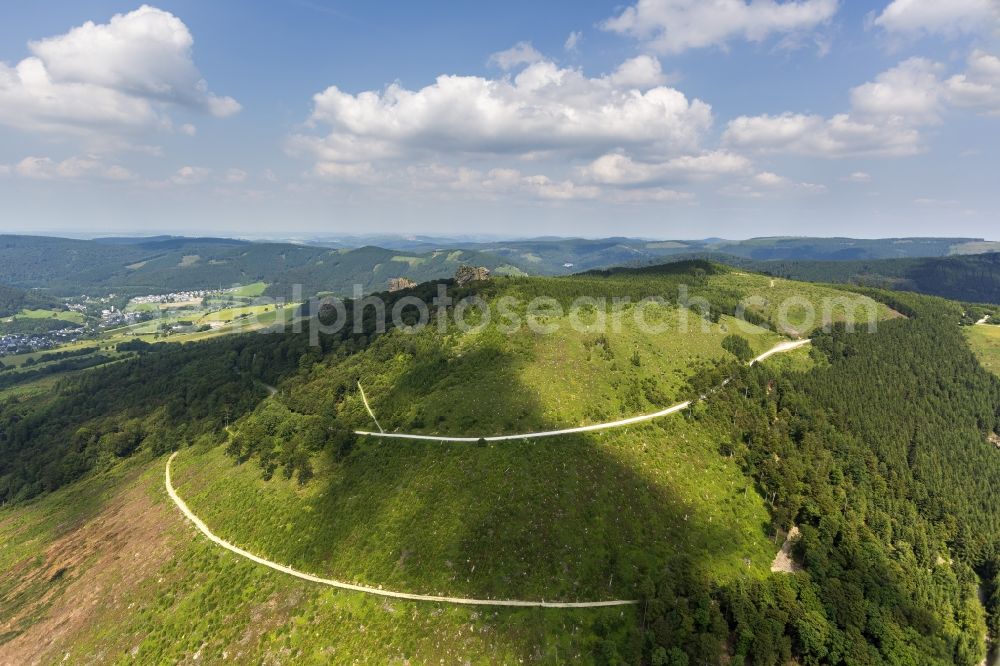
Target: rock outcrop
[[401, 283], [466, 274]]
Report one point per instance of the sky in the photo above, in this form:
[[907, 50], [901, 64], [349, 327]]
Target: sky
[[652, 118]]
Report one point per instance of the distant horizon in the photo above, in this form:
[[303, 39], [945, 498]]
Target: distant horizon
[[320, 236], [291, 238]]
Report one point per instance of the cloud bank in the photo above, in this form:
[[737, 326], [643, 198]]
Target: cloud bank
[[106, 81], [674, 26]]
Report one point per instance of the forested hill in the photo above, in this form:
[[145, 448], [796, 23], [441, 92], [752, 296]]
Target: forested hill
[[556, 256], [70, 267], [13, 300], [882, 458], [162, 264], [876, 446], [973, 278]]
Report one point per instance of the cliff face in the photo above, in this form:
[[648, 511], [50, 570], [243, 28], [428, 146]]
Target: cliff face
[[466, 274]]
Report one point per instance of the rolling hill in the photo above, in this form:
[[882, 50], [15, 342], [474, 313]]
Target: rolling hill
[[139, 266], [68, 267], [973, 278], [873, 444]]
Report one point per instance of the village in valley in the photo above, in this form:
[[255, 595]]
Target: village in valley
[[84, 321]]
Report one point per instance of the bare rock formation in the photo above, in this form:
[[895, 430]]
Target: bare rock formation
[[466, 274], [401, 283]]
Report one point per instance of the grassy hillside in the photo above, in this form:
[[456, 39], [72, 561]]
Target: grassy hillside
[[874, 443], [985, 341], [122, 577]]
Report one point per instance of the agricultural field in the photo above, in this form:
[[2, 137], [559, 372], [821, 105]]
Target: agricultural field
[[228, 315], [249, 290], [64, 315], [175, 322]]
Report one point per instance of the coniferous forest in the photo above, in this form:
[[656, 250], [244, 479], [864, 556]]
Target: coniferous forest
[[881, 459]]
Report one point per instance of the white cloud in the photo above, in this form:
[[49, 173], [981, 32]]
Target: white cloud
[[4, 170], [493, 184], [741, 190], [773, 181], [357, 172], [190, 175], [886, 114], [839, 136], [572, 43], [858, 177], [188, 129], [544, 109], [650, 195], [979, 86], [912, 90], [946, 17], [543, 187], [885, 117], [522, 53], [767, 183], [769, 179], [235, 176], [117, 77], [640, 72], [512, 181], [673, 26], [618, 169], [503, 183], [72, 168]]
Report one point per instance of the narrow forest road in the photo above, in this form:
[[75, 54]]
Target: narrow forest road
[[203, 528], [533, 435], [463, 601], [780, 348]]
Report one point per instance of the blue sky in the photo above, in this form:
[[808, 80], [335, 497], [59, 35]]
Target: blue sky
[[660, 118]]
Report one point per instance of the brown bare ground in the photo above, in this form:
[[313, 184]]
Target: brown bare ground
[[82, 574], [783, 562]]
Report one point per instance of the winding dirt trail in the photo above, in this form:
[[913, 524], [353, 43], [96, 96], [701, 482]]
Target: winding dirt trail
[[780, 348], [517, 603], [533, 435], [203, 528]]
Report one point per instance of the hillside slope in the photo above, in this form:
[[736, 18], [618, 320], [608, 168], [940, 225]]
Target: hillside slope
[[68, 267], [973, 278], [685, 513]]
